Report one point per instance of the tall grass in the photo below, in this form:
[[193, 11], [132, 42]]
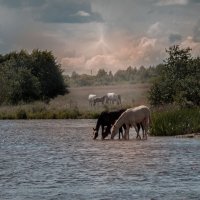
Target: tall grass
[[39, 110], [175, 122]]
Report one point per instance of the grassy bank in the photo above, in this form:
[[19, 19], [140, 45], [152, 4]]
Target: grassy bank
[[42, 111], [175, 121], [168, 122]]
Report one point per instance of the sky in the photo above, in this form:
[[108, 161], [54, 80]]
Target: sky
[[88, 35]]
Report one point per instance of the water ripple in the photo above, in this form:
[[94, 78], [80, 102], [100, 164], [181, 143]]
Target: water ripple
[[57, 159]]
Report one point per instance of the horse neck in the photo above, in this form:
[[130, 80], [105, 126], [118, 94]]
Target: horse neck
[[99, 123], [119, 122]]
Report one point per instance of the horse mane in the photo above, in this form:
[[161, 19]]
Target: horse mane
[[119, 121]]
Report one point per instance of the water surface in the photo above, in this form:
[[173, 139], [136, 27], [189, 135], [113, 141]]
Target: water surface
[[57, 159]]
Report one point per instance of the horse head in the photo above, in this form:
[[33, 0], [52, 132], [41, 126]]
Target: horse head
[[95, 133], [113, 131]]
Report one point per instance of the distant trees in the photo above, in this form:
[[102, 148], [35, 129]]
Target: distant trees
[[178, 79], [28, 77], [131, 75]]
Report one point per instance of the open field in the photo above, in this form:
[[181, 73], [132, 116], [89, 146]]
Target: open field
[[131, 94], [75, 104]]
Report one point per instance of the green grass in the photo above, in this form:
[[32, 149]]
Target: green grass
[[43, 111], [175, 122]]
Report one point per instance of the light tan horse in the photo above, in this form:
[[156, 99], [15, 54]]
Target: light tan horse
[[131, 117]]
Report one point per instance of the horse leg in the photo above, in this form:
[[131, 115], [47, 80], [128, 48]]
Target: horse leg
[[102, 129], [137, 129], [144, 128], [126, 135], [120, 132]]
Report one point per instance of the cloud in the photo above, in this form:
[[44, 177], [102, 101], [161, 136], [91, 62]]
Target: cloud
[[70, 11], [175, 37], [62, 11], [82, 13], [155, 29], [171, 2], [196, 32], [189, 42], [133, 52], [22, 3]]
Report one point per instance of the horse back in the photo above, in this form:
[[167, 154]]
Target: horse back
[[137, 114]]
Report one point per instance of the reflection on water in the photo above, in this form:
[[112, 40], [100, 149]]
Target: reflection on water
[[57, 159]]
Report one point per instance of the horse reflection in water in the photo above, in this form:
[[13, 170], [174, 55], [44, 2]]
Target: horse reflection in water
[[131, 117], [106, 120]]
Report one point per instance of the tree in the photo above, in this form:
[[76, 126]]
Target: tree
[[28, 77], [49, 73], [178, 79]]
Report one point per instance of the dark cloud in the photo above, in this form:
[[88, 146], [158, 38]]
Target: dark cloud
[[62, 11], [196, 32], [69, 12], [22, 3], [175, 37], [193, 1]]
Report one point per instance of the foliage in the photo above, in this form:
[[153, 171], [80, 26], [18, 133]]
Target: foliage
[[28, 77], [130, 75], [178, 79], [175, 122]]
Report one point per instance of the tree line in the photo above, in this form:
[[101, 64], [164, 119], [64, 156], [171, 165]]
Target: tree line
[[130, 75], [27, 77]]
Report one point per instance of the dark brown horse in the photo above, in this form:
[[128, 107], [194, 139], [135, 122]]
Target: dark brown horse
[[106, 119]]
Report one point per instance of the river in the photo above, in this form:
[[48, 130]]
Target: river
[[57, 159]]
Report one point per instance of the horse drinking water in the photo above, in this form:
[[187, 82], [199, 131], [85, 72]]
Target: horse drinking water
[[131, 117], [106, 119]]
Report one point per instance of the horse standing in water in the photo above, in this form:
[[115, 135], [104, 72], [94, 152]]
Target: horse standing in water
[[131, 117], [106, 119]]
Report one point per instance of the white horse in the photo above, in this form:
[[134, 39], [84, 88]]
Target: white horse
[[112, 98], [91, 98], [131, 117]]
